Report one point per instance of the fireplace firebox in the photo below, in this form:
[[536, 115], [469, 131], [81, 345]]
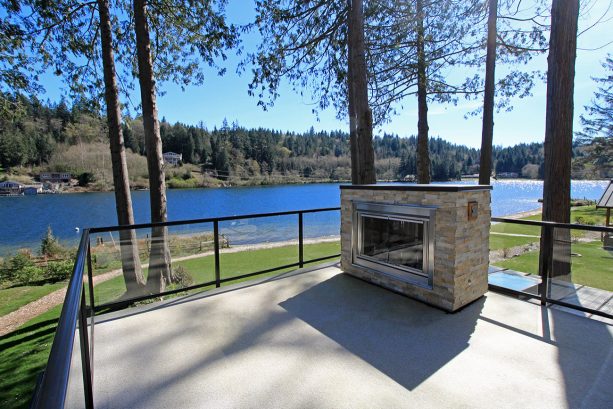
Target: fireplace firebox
[[396, 240]]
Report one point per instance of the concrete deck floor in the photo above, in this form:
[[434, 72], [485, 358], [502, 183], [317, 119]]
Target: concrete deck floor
[[323, 339]]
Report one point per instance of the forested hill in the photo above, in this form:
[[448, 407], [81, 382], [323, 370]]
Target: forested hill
[[62, 138]]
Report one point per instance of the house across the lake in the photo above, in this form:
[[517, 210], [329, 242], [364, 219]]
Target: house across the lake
[[32, 189], [172, 158], [55, 177], [10, 187]]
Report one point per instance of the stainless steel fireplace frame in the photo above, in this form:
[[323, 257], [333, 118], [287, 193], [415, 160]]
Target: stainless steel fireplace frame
[[424, 215]]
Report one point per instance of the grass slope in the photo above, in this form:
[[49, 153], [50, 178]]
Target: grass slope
[[23, 355], [11, 299]]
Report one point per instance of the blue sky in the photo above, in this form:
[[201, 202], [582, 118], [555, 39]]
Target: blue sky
[[226, 97]]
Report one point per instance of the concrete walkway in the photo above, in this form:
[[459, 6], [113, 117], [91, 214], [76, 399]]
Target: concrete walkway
[[323, 339]]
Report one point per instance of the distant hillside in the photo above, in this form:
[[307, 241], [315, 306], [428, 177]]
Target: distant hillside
[[54, 136]]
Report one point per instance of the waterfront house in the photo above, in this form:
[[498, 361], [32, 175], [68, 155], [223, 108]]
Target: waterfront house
[[32, 189], [10, 187], [172, 158], [55, 177]]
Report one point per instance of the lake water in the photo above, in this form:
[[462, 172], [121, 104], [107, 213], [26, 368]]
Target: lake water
[[24, 219]]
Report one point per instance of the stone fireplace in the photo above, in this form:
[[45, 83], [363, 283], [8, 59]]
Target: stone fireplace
[[429, 242]]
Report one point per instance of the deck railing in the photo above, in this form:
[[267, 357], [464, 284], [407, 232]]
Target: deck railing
[[551, 262], [62, 375], [52, 388]]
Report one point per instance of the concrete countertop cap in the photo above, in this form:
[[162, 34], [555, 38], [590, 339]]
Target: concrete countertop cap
[[421, 188]]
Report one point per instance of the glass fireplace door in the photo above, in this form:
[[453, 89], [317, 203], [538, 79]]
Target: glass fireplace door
[[395, 241]]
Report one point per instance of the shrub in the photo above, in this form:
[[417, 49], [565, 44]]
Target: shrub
[[50, 246], [590, 221], [21, 270], [176, 183], [28, 274], [86, 178], [58, 270], [182, 277]]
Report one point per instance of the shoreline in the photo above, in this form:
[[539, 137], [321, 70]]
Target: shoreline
[[224, 185], [526, 213]]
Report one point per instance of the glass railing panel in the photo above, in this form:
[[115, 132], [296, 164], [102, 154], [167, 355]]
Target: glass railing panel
[[321, 232], [75, 393], [192, 248], [514, 257], [582, 270], [256, 244], [181, 255]]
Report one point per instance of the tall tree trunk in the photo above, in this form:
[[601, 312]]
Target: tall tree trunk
[[130, 261], [159, 259], [353, 137], [423, 155], [360, 115], [559, 128], [487, 134]]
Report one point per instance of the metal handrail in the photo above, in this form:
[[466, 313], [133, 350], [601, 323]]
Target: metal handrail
[[207, 220], [52, 389], [541, 223]]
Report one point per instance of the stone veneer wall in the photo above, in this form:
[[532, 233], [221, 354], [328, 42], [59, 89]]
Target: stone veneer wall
[[461, 246]]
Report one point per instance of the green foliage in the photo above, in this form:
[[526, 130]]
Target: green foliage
[[454, 36], [86, 178], [598, 118], [59, 270], [176, 183], [28, 274], [24, 269], [50, 246], [72, 139], [12, 267], [21, 270]]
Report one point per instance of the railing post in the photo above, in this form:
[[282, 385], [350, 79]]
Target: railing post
[[216, 241], [85, 357], [300, 241], [546, 260], [90, 282]]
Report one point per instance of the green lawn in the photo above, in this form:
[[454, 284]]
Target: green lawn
[[12, 299], [593, 268], [23, 355], [501, 234]]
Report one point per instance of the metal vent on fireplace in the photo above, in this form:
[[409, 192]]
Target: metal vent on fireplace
[[395, 240]]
